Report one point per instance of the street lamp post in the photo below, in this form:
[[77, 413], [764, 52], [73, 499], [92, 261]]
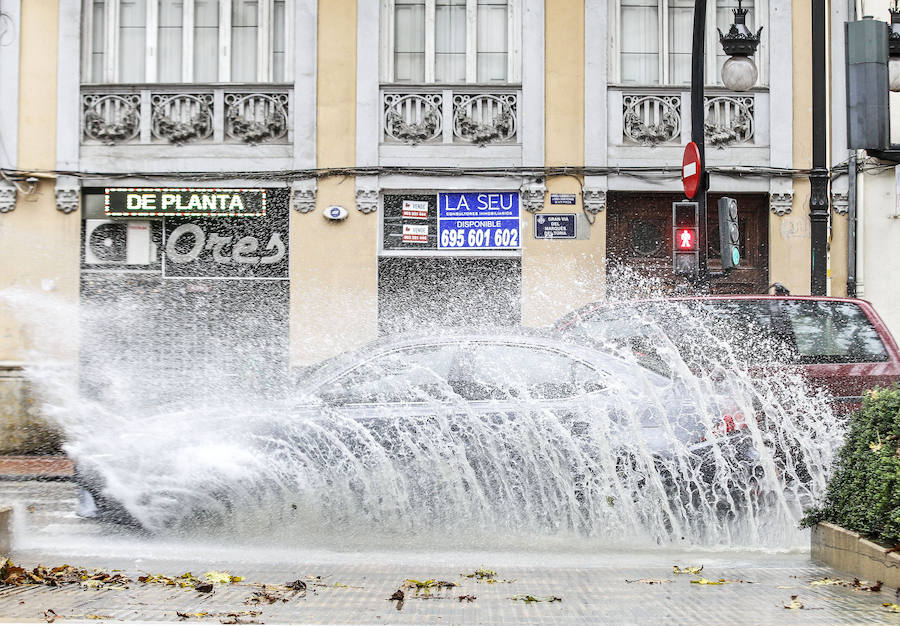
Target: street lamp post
[[818, 176], [739, 74]]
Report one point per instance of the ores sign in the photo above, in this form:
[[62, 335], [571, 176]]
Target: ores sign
[[212, 233]]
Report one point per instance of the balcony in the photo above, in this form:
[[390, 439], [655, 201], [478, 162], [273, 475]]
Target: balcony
[[131, 125], [659, 119], [434, 124]]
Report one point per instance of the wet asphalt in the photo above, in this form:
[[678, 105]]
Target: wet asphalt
[[353, 586]]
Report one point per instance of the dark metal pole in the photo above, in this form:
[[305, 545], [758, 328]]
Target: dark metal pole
[[851, 228], [698, 59], [818, 176]]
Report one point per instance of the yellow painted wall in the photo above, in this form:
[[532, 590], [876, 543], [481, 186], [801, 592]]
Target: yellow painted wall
[[789, 236], [334, 264], [39, 246], [558, 276]]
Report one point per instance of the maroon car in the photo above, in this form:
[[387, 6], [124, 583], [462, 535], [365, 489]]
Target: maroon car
[[840, 343]]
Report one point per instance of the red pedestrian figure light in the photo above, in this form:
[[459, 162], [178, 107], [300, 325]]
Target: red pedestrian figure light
[[686, 240]]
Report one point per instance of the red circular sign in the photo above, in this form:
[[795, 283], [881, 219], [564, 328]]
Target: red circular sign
[[690, 170]]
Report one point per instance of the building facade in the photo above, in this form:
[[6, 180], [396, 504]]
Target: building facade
[[358, 145]]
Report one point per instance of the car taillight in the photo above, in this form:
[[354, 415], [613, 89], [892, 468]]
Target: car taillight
[[730, 424]]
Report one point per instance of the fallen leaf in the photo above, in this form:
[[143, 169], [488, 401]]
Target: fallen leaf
[[428, 584], [703, 581], [50, 615], [686, 570], [399, 597], [221, 577], [893, 608], [649, 581], [297, 585], [203, 587], [795, 603], [466, 598], [482, 574], [191, 615], [528, 599]]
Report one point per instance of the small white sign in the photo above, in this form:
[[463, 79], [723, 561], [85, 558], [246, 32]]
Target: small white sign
[[415, 233], [690, 169], [415, 209]]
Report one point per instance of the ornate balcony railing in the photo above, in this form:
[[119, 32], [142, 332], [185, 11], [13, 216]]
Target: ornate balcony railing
[[158, 114], [653, 118], [474, 116]]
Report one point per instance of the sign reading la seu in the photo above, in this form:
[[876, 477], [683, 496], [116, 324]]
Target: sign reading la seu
[[184, 202]]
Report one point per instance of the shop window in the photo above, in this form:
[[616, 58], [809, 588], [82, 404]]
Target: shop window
[[451, 41], [655, 37], [172, 41]]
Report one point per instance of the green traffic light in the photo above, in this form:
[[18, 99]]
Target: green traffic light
[[735, 256]]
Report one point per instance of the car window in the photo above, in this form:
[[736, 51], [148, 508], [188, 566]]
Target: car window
[[833, 332], [486, 371], [477, 370], [713, 330], [415, 374]]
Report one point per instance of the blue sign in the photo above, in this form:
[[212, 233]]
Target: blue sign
[[479, 221], [554, 226]]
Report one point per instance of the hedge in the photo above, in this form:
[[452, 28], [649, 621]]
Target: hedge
[[863, 495]]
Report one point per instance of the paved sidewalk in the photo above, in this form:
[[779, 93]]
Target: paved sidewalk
[[37, 467], [355, 585], [358, 593]]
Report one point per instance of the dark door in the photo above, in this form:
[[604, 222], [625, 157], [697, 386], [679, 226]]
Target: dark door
[[639, 240]]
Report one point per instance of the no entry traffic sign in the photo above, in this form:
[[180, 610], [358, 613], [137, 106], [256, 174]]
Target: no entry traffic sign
[[690, 170]]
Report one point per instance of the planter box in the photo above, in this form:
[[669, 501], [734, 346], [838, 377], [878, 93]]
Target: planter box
[[5, 532], [847, 551]]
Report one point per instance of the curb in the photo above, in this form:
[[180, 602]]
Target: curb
[[848, 551]]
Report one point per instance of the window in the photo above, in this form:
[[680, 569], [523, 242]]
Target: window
[[471, 371], [173, 41], [451, 41], [416, 374], [833, 332], [655, 39]]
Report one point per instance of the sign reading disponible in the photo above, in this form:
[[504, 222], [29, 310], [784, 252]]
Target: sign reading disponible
[[184, 202]]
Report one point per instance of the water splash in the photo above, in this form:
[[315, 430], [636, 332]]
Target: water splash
[[188, 451]]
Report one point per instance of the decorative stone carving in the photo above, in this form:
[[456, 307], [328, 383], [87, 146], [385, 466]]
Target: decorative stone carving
[[182, 117], [111, 118], [256, 117], [367, 200], [68, 194], [780, 203], [485, 118], [840, 202], [303, 198], [413, 118], [728, 120], [651, 120], [594, 200], [7, 197], [532, 194]]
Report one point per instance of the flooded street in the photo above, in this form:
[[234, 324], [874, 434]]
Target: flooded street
[[353, 586]]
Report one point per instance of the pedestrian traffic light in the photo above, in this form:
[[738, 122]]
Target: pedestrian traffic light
[[685, 247], [729, 234]]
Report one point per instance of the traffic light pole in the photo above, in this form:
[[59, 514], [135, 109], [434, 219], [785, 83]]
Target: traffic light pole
[[698, 59]]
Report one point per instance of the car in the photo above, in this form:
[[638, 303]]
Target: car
[[840, 345], [533, 426]]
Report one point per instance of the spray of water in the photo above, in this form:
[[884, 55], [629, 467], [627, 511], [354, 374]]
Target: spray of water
[[230, 446]]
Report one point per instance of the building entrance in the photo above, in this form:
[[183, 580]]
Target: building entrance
[[639, 235]]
